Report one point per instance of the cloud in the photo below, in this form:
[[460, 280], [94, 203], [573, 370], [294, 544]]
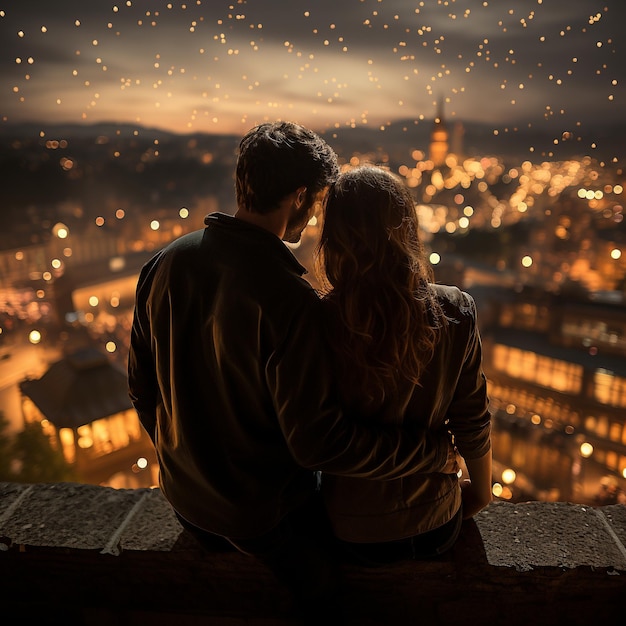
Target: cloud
[[220, 65]]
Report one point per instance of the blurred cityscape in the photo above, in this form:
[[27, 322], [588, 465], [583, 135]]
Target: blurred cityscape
[[540, 243]]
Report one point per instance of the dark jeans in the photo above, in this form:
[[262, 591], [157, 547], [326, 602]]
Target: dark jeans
[[427, 545], [300, 551]]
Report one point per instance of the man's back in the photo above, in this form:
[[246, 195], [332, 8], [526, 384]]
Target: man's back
[[221, 306]]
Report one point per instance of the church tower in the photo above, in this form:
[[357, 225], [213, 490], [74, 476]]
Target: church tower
[[438, 150]]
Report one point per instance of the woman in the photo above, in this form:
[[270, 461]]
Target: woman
[[407, 351]]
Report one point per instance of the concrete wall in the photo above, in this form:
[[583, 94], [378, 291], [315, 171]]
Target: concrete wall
[[82, 554]]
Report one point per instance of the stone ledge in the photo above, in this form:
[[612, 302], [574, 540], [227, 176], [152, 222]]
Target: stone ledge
[[82, 554]]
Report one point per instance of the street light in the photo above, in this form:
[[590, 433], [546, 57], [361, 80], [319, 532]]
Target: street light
[[586, 450], [508, 476], [60, 230]]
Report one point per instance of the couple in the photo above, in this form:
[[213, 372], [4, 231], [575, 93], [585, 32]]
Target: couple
[[251, 386]]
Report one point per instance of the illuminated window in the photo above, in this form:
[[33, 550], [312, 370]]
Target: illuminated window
[[85, 436], [102, 443], [67, 441], [609, 389], [113, 433], [538, 369], [615, 432], [119, 436], [602, 427], [499, 355], [600, 456]]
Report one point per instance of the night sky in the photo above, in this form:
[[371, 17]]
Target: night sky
[[220, 67]]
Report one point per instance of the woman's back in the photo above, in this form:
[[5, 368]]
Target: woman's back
[[408, 352], [451, 395]]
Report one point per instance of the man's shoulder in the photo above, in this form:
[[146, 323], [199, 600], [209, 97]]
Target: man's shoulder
[[189, 241]]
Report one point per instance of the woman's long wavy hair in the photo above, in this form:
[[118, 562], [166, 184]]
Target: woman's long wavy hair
[[376, 279]]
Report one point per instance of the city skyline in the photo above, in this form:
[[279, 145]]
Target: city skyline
[[222, 67], [93, 187]]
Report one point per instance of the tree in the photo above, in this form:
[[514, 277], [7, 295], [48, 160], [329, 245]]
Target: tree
[[29, 457]]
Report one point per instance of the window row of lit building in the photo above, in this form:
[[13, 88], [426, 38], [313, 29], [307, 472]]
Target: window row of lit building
[[572, 413], [558, 375]]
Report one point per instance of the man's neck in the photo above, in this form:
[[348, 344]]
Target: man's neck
[[271, 222], [275, 221]]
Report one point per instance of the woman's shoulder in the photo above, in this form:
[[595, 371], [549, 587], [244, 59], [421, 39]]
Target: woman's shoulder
[[454, 301]]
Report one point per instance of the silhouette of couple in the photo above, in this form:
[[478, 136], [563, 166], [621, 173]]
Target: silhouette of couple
[[308, 428]]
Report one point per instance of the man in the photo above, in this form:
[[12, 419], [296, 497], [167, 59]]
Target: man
[[230, 376]]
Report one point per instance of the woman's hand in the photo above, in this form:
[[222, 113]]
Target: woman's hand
[[476, 491]]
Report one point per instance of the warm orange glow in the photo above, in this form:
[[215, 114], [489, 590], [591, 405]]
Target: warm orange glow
[[508, 476], [586, 450], [60, 230]]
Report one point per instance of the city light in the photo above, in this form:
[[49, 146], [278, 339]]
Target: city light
[[508, 476], [490, 217], [117, 263], [500, 491], [60, 230], [586, 449]]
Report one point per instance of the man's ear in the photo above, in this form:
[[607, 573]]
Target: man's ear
[[300, 196]]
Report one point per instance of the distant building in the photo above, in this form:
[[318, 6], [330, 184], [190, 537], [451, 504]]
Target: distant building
[[82, 402], [439, 146], [557, 372]]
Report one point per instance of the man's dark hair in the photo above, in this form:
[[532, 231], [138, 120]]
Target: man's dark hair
[[277, 158]]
